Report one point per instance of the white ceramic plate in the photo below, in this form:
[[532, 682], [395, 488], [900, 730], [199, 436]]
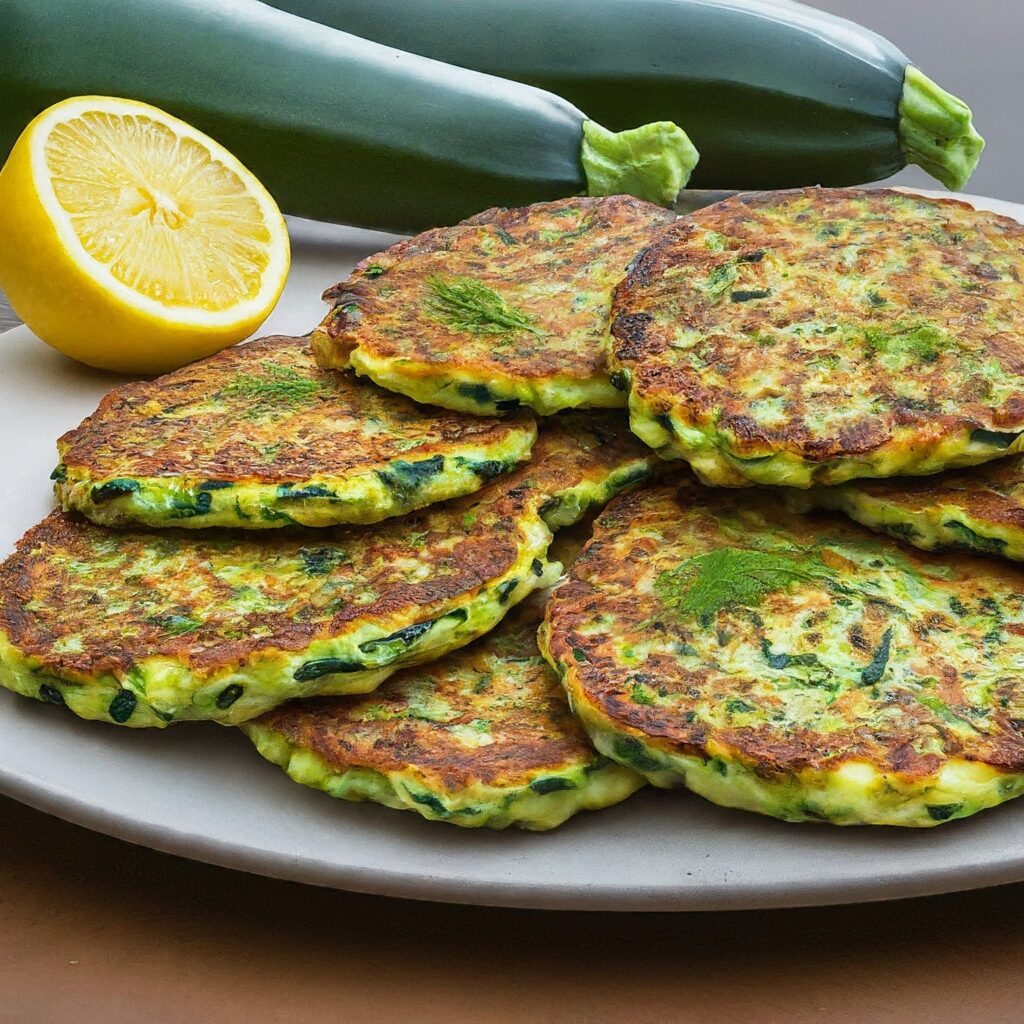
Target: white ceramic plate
[[202, 791]]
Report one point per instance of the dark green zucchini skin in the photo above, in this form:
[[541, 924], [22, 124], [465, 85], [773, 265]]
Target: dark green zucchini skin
[[336, 127], [773, 94]]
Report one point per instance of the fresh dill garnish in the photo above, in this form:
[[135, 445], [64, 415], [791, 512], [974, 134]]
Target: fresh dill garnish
[[705, 584], [467, 305], [276, 386]]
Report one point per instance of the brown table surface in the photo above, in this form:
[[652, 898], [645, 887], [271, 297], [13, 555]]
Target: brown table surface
[[96, 930]]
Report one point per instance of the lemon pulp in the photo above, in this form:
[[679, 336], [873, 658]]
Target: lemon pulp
[[131, 241], [164, 217]]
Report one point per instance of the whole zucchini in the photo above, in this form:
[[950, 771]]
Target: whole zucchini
[[336, 127], [773, 94]]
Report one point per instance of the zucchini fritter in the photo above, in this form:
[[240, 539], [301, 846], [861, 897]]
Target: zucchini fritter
[[481, 737], [142, 629], [979, 509], [259, 436], [798, 667], [583, 459], [507, 308], [814, 336]]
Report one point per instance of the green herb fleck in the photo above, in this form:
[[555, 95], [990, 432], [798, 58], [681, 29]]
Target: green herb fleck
[[784, 660], [738, 706], [405, 478], [113, 489], [51, 695], [174, 625], [185, 506], [479, 393], [321, 561], [924, 343], [628, 748], [966, 537], [705, 584], [276, 386], [395, 643], [467, 305], [875, 669], [431, 801], [551, 784], [323, 667], [228, 696], [943, 710], [122, 707], [721, 279], [485, 469], [639, 694]]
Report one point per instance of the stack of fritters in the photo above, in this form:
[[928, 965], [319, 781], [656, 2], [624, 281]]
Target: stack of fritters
[[212, 558], [722, 629], [790, 663]]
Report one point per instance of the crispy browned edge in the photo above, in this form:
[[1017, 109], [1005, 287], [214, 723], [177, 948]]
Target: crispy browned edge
[[670, 386], [597, 681]]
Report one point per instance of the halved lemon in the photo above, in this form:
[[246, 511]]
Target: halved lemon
[[133, 242]]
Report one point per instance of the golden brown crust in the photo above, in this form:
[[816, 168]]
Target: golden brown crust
[[556, 262], [829, 324], [208, 600], [207, 421], [85, 600], [492, 714], [993, 493], [580, 446], [901, 660]]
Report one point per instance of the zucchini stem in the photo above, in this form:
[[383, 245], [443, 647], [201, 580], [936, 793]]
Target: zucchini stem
[[652, 162], [936, 131]]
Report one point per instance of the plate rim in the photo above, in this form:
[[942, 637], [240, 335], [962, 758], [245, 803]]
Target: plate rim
[[627, 896]]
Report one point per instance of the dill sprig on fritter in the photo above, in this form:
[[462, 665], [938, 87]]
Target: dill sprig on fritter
[[467, 305], [734, 577], [276, 386]]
